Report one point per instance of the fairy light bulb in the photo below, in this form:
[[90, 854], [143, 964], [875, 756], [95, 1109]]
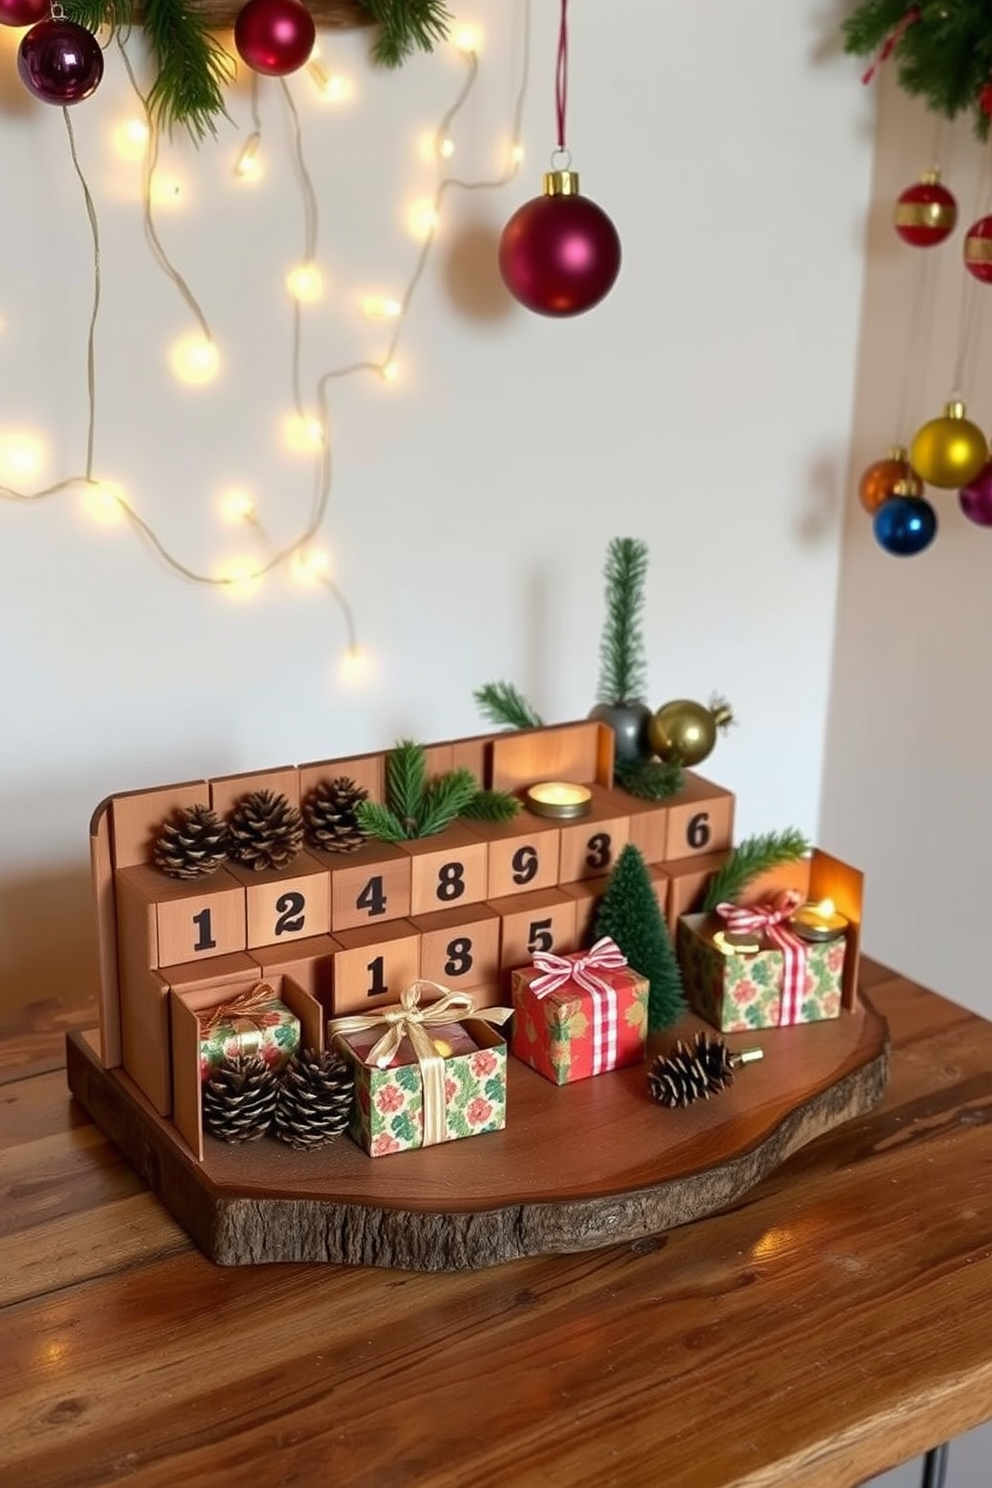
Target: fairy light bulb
[[303, 433], [131, 139], [195, 359], [164, 190], [421, 219], [104, 502], [237, 506], [390, 370], [248, 166], [516, 154], [468, 39], [305, 283], [354, 666], [311, 564], [240, 577], [380, 307], [446, 147], [332, 87], [21, 456]]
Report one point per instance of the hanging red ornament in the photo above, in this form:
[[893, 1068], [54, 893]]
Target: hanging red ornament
[[560, 254], [60, 62], [23, 12], [274, 36], [880, 480], [978, 250], [926, 212], [985, 100]]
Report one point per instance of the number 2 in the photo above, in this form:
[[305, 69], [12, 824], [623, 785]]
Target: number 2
[[291, 917]]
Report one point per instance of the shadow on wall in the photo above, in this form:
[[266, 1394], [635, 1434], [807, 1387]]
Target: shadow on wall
[[471, 273], [47, 936]]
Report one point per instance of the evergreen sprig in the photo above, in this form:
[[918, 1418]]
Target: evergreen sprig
[[622, 664], [749, 859], [649, 780], [416, 806], [445, 799], [406, 782], [378, 821], [407, 26], [505, 706], [943, 54], [492, 806]]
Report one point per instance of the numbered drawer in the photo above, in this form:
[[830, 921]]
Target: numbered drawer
[[686, 884], [586, 895], [289, 904], [700, 819], [449, 870], [591, 846], [459, 947], [523, 854], [649, 828], [368, 887], [544, 921], [309, 963], [374, 965], [163, 921]]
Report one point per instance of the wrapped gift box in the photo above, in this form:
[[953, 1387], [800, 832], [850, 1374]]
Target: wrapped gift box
[[737, 990], [388, 1113], [254, 1023], [579, 1015]]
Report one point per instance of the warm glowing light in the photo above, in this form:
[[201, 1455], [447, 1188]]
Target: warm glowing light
[[468, 39], [390, 371], [131, 139], [818, 921], [446, 147], [355, 665], [248, 166], [377, 307], [195, 359], [237, 506], [331, 86], [558, 798], [826, 908], [421, 219], [305, 283], [104, 502], [21, 456], [165, 191], [311, 564], [240, 577], [517, 154], [303, 433]]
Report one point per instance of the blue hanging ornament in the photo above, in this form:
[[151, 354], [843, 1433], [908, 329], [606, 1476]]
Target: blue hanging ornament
[[904, 525]]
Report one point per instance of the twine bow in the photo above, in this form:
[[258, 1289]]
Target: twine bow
[[407, 1019], [767, 920], [243, 1014], [555, 970]]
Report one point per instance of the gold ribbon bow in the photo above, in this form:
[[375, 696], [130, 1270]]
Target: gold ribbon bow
[[243, 1013], [407, 1019]]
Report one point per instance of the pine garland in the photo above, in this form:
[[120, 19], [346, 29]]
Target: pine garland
[[418, 807], [407, 26], [749, 859], [505, 706], [649, 780], [942, 49], [623, 667]]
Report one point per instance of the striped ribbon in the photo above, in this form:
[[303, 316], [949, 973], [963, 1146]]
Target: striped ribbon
[[767, 919], [585, 968]]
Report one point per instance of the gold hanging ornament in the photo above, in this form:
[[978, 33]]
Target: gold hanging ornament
[[683, 732], [949, 451]]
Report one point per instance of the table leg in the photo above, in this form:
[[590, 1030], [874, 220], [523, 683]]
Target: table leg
[[935, 1466]]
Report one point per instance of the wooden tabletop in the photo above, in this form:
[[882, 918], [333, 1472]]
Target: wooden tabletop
[[834, 1323]]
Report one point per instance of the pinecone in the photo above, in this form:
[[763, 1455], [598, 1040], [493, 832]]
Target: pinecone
[[191, 844], [264, 831], [329, 815], [314, 1101], [692, 1072], [239, 1099]]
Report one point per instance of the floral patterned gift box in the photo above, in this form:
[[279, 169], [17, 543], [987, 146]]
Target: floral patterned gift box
[[737, 990], [419, 1079], [254, 1022]]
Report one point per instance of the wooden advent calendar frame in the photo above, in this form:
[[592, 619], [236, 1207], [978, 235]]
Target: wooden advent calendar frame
[[576, 1167]]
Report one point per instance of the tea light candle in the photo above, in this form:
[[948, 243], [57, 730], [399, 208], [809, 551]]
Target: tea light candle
[[736, 943], [559, 799], [818, 921]]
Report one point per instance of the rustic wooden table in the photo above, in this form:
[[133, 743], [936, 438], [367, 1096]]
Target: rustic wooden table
[[834, 1323]]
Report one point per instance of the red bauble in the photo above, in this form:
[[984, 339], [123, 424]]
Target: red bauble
[[926, 213], [978, 250], [559, 254], [274, 36], [60, 62], [23, 12]]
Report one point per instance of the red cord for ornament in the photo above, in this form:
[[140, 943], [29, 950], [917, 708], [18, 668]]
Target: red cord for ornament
[[893, 39], [561, 75]]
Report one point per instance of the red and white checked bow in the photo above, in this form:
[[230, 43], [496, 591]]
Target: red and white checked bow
[[555, 971], [767, 919]]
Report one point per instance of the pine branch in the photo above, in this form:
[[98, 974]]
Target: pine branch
[[378, 821], [502, 704], [407, 26], [116, 15], [444, 799], [622, 665], [492, 806], [942, 51], [192, 69], [406, 783], [751, 858], [649, 780]]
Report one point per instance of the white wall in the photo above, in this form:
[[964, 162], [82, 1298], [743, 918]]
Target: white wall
[[705, 407], [908, 785]]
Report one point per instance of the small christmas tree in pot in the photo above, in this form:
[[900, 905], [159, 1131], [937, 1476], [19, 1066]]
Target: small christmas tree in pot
[[630, 915]]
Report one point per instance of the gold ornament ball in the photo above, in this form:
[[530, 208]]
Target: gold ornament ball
[[685, 731], [949, 451]]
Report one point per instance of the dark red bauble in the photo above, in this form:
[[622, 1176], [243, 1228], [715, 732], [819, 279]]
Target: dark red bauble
[[926, 213], [274, 36], [60, 62], [978, 250], [23, 12], [559, 254]]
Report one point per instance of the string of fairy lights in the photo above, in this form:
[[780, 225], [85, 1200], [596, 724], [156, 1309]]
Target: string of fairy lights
[[196, 357]]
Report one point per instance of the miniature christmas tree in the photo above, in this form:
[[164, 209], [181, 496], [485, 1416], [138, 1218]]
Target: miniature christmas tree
[[629, 914]]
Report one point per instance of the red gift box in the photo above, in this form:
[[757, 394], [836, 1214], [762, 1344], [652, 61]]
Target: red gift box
[[579, 1015]]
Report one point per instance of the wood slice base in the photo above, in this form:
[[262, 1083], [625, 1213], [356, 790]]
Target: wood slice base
[[585, 1165]]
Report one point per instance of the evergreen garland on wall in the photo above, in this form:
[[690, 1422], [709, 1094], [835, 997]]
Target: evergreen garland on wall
[[941, 50]]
